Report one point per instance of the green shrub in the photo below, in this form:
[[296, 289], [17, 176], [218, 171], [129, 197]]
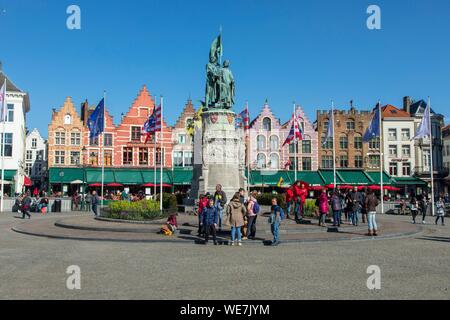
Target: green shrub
[[309, 208], [138, 210], [170, 202], [265, 199]]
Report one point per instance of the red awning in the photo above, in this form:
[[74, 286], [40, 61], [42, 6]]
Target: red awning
[[152, 185], [27, 181]]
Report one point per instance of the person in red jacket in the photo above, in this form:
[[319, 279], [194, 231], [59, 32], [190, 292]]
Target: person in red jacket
[[202, 203], [289, 196], [300, 193]]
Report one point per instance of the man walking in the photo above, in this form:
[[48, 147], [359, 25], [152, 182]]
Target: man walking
[[25, 207], [95, 200], [276, 216]]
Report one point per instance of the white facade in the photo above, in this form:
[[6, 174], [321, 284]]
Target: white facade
[[36, 157], [398, 149], [17, 103]]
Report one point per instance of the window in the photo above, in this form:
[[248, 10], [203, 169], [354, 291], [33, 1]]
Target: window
[[392, 151], [274, 143], [127, 157], [108, 158], [135, 134], [93, 158], [29, 155], [426, 160], [392, 134], [327, 162], [351, 125], [329, 143], [93, 141], [74, 157], [306, 146], [261, 142], [405, 134], [67, 119], [10, 113], [178, 158], [38, 169], [33, 143], [374, 143], [358, 161], [343, 161], [40, 155], [325, 125], [143, 156], [406, 150], [59, 157], [108, 140], [60, 138], [274, 161], [306, 164], [374, 161], [158, 156], [75, 138], [406, 168], [393, 168], [267, 124], [261, 161], [343, 142], [293, 146], [8, 144], [358, 143], [28, 169], [181, 139], [188, 159], [291, 163]]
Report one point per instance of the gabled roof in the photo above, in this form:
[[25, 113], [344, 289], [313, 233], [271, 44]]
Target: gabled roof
[[265, 112], [11, 87], [418, 107], [188, 111], [389, 111]]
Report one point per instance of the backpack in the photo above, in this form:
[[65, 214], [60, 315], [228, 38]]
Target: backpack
[[256, 208]]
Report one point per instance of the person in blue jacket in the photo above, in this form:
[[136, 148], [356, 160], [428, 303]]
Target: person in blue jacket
[[210, 218], [276, 216]]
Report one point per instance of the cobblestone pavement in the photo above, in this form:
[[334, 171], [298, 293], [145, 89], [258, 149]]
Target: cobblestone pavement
[[412, 267]]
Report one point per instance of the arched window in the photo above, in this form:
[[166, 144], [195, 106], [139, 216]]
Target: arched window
[[274, 143], [267, 124], [274, 161], [261, 142], [67, 119], [350, 124], [261, 161]]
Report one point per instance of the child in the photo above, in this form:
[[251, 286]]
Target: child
[[209, 220], [172, 223], [276, 216], [202, 203]]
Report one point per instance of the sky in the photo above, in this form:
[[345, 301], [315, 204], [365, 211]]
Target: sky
[[310, 52]]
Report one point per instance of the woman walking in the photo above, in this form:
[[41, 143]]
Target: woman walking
[[252, 214], [336, 206], [440, 210], [323, 207], [371, 204], [414, 208], [235, 217]]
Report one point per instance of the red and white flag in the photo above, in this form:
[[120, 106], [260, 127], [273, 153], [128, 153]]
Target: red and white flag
[[158, 119], [295, 133]]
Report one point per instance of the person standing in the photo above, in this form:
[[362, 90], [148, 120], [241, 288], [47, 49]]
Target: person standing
[[371, 203], [336, 206], [242, 195], [289, 197], [220, 199], [25, 207], [209, 219], [235, 217], [414, 207], [252, 214], [276, 216], [363, 205], [440, 210], [300, 194], [323, 207], [75, 200], [423, 206], [88, 200], [354, 201], [202, 203], [95, 202]]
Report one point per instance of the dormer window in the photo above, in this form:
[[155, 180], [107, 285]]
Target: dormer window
[[67, 119], [267, 124]]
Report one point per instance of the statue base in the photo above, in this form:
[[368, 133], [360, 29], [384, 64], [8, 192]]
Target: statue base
[[219, 155]]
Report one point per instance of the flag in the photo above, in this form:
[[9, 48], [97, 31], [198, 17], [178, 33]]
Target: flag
[[280, 182], [96, 121], [3, 102], [295, 133], [330, 130], [287, 164], [148, 126], [373, 130], [424, 126], [243, 120], [158, 120]]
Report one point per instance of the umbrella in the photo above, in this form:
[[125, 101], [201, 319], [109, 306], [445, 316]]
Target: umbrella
[[27, 182], [329, 186], [316, 188], [391, 188], [114, 184], [152, 185], [76, 182], [95, 185], [374, 187], [345, 186], [148, 185]]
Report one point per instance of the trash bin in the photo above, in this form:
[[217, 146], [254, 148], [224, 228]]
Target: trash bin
[[57, 205]]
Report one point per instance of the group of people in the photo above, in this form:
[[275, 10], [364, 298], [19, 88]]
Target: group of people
[[240, 214], [419, 204], [25, 204]]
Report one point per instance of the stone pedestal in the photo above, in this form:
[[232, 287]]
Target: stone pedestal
[[219, 154]]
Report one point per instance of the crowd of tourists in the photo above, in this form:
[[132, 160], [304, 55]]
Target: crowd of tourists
[[25, 203]]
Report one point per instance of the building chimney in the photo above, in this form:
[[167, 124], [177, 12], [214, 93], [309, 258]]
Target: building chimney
[[407, 104]]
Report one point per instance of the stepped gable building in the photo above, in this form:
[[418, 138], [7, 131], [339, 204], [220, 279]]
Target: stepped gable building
[[307, 149], [183, 147], [349, 128], [36, 158]]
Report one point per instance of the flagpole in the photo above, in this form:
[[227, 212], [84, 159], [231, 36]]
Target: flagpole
[[102, 146], [247, 134], [381, 156], [154, 152], [162, 160], [295, 143], [3, 147], [431, 157], [334, 145]]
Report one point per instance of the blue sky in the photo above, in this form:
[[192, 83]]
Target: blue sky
[[307, 51]]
